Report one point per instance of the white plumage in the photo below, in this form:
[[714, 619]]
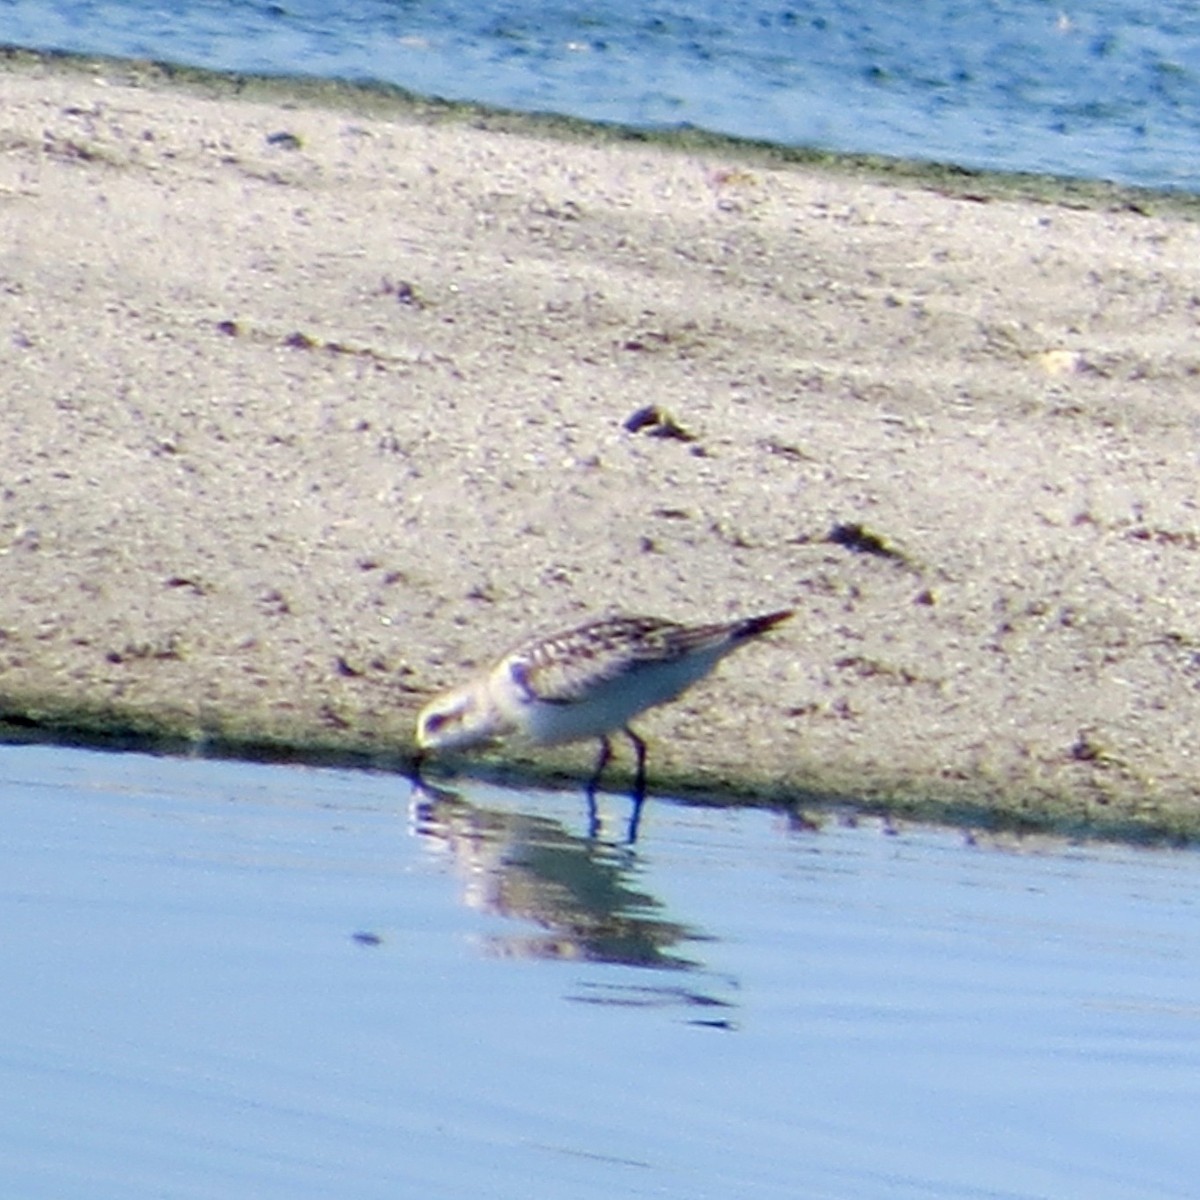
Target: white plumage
[[586, 682]]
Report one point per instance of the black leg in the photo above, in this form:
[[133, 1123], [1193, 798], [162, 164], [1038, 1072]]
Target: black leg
[[601, 762], [639, 785], [639, 749]]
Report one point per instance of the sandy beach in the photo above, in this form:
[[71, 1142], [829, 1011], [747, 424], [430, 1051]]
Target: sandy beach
[[315, 401]]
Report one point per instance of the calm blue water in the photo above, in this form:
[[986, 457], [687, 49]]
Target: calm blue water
[[233, 980], [1110, 89]]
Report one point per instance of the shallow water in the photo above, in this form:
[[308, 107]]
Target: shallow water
[[224, 979], [1107, 90]]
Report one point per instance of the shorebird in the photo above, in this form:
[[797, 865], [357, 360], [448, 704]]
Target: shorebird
[[587, 682]]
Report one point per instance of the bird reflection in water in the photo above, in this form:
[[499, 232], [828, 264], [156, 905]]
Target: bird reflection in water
[[530, 868]]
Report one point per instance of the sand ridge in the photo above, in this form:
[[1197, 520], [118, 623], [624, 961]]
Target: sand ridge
[[311, 410]]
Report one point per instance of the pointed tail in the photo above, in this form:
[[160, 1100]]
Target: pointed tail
[[753, 627]]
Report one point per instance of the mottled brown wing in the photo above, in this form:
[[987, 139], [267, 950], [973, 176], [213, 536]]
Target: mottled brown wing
[[566, 667]]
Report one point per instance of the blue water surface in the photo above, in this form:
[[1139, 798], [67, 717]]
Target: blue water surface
[[1106, 90], [224, 979]]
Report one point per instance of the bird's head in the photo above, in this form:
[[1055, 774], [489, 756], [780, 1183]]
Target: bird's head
[[455, 719]]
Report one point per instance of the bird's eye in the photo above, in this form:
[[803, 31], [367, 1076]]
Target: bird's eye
[[435, 721]]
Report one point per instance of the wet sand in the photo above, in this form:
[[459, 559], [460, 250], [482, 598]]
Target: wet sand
[[315, 400]]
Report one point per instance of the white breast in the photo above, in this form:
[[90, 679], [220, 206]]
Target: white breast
[[611, 705]]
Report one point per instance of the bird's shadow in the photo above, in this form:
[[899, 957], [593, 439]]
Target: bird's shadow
[[576, 899], [637, 799], [591, 792]]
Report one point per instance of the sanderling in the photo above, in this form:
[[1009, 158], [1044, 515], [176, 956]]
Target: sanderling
[[588, 682]]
